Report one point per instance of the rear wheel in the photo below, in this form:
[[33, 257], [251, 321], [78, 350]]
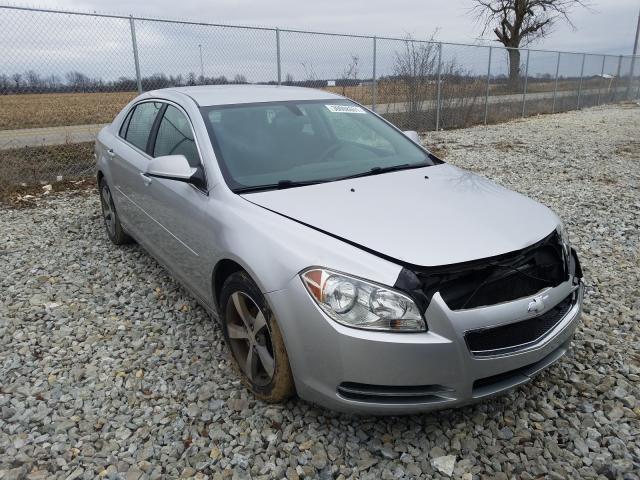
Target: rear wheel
[[254, 338], [111, 221]]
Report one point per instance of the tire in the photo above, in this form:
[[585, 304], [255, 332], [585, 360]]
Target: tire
[[255, 331], [111, 221]]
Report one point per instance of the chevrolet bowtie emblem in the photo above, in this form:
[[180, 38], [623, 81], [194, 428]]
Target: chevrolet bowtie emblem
[[536, 305]]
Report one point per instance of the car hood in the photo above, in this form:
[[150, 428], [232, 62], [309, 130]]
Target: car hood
[[450, 217]]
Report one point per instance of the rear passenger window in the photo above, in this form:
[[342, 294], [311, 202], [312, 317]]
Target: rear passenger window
[[141, 123], [175, 137]]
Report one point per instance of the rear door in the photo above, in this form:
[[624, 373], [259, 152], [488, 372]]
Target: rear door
[[129, 159]]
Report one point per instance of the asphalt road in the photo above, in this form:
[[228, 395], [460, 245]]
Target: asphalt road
[[33, 137], [498, 99]]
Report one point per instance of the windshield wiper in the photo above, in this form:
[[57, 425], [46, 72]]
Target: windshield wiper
[[281, 185], [379, 170]]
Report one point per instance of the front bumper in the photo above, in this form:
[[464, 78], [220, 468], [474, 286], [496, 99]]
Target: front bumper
[[361, 371]]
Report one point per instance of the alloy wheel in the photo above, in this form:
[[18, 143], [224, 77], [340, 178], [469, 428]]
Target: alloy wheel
[[108, 210], [250, 338]]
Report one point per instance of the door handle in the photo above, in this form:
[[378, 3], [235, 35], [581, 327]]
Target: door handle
[[111, 153], [145, 178]]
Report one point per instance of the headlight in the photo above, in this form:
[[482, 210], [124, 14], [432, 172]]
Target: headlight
[[564, 238], [564, 235], [358, 303]]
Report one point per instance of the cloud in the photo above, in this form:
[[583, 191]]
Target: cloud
[[606, 27], [101, 47]]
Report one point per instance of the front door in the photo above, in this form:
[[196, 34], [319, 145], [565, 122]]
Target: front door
[[177, 207]]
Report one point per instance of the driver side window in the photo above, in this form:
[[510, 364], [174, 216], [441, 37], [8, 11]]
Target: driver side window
[[175, 137]]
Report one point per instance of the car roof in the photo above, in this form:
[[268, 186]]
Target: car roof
[[209, 95]]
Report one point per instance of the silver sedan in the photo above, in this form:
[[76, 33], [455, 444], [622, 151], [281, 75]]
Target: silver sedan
[[343, 261]]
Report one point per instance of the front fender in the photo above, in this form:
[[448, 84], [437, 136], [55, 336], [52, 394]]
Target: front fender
[[273, 249]]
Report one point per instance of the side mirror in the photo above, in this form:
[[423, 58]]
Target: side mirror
[[413, 136], [172, 167]]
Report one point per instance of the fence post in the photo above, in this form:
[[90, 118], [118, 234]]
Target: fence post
[[584, 56], [136, 60], [486, 97], [615, 90], [439, 87], [604, 59], [526, 81], [278, 56], [633, 60], [631, 72], [374, 82], [555, 88]]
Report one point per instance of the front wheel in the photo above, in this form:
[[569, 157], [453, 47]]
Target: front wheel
[[111, 221], [254, 338]]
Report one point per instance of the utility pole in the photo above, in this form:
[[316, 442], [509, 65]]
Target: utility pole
[[633, 59], [136, 59], [201, 64], [635, 45]]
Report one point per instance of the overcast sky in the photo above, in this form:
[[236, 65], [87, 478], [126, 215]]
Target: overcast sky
[[608, 27], [53, 44]]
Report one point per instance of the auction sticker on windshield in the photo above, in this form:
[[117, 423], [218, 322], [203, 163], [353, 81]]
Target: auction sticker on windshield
[[344, 109]]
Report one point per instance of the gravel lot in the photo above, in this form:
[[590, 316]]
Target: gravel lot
[[108, 368]]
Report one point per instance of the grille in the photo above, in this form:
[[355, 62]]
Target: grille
[[489, 341]]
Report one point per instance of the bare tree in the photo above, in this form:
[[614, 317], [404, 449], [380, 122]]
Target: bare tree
[[33, 80], [517, 23], [240, 79], [17, 79], [415, 67], [78, 81], [461, 95], [4, 84], [309, 72], [350, 74], [52, 81]]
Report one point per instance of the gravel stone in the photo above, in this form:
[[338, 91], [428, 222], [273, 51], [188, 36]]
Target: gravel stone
[[110, 369], [444, 464]]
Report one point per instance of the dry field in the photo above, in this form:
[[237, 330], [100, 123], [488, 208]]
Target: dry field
[[54, 109]]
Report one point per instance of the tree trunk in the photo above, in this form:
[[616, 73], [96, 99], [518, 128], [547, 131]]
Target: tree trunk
[[514, 69]]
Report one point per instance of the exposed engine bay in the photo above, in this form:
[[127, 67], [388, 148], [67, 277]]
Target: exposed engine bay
[[493, 280]]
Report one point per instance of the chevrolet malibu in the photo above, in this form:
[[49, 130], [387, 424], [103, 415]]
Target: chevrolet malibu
[[344, 262]]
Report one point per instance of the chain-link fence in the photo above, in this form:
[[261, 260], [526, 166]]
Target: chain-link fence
[[64, 74]]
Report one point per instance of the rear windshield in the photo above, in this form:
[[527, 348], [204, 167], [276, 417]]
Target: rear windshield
[[307, 141]]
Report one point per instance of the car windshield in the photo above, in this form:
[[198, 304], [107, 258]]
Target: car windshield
[[284, 144]]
